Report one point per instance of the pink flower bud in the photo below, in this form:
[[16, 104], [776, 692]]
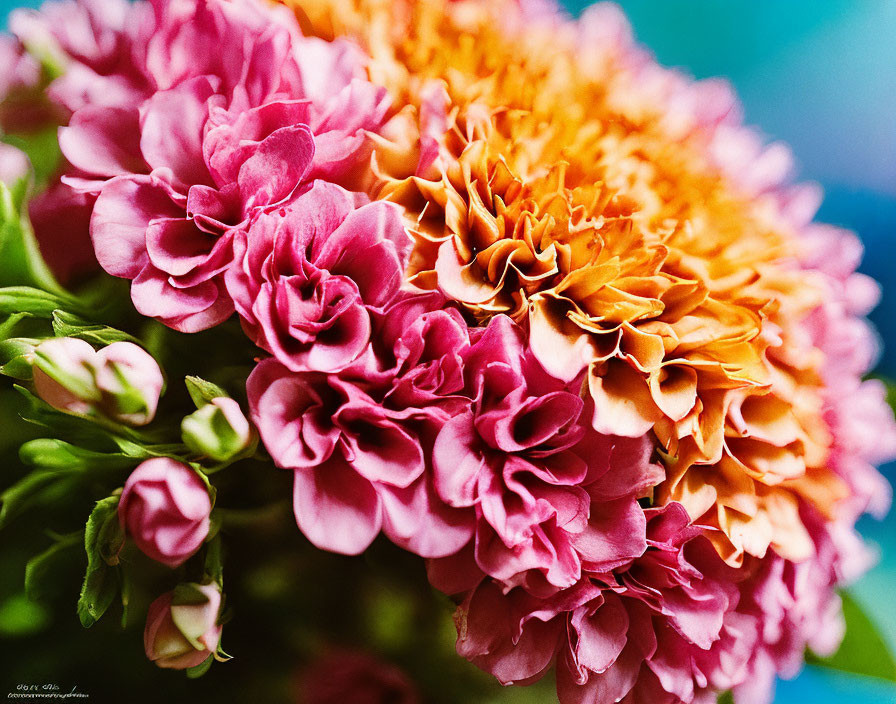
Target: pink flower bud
[[64, 374], [122, 381], [165, 509], [130, 382], [182, 626]]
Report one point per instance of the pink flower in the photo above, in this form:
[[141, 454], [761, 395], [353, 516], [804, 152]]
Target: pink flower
[[313, 272], [548, 492], [239, 111], [121, 381], [356, 677], [165, 509], [359, 466], [96, 43], [181, 626], [795, 605], [661, 628]]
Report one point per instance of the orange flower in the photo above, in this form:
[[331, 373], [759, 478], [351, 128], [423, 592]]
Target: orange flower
[[552, 172]]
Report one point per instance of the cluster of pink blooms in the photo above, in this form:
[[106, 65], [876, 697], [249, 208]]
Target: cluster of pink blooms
[[217, 154]]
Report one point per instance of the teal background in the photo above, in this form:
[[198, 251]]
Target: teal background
[[822, 77]]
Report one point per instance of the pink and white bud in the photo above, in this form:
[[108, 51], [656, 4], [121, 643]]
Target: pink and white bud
[[64, 375], [130, 382], [122, 381], [182, 626]]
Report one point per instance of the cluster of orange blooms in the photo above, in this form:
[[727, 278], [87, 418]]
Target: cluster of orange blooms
[[557, 175]]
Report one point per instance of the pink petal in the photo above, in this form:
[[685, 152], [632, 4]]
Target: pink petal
[[337, 509]]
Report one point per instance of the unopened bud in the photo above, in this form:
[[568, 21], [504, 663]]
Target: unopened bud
[[218, 430]]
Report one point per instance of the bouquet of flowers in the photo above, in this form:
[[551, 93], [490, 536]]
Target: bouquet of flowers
[[468, 277]]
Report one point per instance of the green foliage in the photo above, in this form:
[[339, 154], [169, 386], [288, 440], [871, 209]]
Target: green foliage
[[40, 580], [103, 540], [31, 490], [49, 453], [20, 260], [27, 299], [864, 650]]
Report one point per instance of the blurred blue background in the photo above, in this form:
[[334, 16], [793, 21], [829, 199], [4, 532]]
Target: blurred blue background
[[820, 76]]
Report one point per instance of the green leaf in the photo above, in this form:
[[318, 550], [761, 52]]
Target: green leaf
[[40, 571], [31, 489], [82, 429], [726, 698], [103, 539], [20, 259], [8, 325], [864, 650], [202, 391], [49, 453], [69, 325], [26, 299], [200, 669]]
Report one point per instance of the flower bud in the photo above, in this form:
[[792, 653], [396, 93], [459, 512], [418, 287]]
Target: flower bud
[[64, 375], [218, 430], [130, 382], [182, 626], [122, 381], [165, 510]]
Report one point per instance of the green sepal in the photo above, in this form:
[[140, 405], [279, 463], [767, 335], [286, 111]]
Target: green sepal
[[203, 392], [103, 539], [200, 669], [129, 400], [16, 357], [188, 594]]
